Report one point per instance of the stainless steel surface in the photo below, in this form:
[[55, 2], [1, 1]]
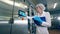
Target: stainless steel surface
[[4, 27], [6, 7], [19, 27]]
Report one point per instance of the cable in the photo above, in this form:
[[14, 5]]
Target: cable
[[12, 19]]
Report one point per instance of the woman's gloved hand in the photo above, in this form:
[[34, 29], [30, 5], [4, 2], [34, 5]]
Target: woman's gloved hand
[[37, 20]]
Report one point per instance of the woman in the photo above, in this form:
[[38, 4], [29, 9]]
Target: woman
[[43, 25], [42, 20]]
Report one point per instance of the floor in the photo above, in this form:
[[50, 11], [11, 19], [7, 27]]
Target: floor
[[54, 31]]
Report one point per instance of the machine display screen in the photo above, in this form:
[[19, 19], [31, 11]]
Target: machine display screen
[[21, 13]]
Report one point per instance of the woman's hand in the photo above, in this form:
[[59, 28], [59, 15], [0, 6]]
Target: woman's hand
[[37, 20]]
